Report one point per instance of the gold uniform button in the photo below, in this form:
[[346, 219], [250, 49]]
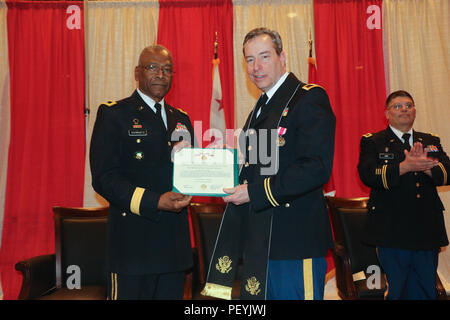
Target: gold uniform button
[[249, 148], [417, 184], [123, 214], [169, 143], [287, 205], [138, 140], [415, 173], [373, 208], [418, 195]]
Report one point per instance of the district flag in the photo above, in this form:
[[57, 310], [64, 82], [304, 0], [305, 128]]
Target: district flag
[[328, 188], [217, 115]]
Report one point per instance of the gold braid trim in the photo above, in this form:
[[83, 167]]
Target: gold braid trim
[[383, 176], [444, 172], [269, 193], [136, 200]]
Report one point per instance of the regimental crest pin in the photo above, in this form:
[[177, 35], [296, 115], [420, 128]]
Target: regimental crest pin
[[252, 286], [136, 124], [224, 264]]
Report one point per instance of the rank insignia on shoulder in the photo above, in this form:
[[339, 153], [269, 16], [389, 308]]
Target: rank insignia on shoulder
[[434, 135], [367, 135], [309, 86], [182, 111], [109, 103]]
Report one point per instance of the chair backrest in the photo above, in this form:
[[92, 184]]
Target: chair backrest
[[80, 241], [348, 218], [206, 219]]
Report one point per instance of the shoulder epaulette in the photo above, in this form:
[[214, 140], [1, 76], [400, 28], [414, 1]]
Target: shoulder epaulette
[[367, 135], [434, 135], [182, 111], [309, 86], [109, 103]]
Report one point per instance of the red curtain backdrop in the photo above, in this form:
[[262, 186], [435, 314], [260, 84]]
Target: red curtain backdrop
[[350, 67], [187, 28], [47, 144]]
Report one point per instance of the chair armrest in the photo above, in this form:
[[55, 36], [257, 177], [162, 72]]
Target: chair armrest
[[39, 276], [344, 276]]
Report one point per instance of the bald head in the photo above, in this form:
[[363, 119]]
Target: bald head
[[154, 72], [154, 49]]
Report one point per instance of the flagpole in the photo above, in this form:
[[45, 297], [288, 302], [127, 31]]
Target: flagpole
[[86, 72]]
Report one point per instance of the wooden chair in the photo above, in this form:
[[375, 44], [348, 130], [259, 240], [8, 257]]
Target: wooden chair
[[80, 247], [351, 256]]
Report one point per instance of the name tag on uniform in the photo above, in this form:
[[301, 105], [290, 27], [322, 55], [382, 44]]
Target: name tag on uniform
[[386, 156], [137, 132]]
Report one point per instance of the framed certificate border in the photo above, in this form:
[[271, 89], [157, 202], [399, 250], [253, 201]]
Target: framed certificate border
[[207, 194]]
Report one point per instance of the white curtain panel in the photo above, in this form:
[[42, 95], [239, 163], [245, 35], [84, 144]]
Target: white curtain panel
[[117, 31], [293, 19]]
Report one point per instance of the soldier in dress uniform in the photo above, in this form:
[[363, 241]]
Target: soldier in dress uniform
[[276, 219], [403, 167], [149, 245]]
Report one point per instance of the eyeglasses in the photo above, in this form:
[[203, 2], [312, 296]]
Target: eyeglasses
[[399, 106], [155, 68]]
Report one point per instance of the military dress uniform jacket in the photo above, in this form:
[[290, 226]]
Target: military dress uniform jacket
[[405, 212], [303, 124], [131, 166], [288, 158]]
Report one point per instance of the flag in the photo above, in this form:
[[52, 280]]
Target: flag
[[217, 115], [328, 188], [312, 68]]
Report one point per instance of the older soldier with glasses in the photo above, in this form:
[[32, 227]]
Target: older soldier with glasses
[[149, 245], [403, 167]]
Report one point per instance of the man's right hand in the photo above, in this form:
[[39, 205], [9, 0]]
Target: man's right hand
[[173, 201]]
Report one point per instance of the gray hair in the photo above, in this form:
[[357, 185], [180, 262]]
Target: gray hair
[[275, 36]]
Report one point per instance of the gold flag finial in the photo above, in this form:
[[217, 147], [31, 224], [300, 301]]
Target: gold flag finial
[[215, 46], [310, 42]]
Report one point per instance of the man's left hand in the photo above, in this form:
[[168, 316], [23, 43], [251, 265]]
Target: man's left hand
[[239, 194]]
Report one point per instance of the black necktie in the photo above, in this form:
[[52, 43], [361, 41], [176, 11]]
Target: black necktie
[[261, 103], [406, 144], [158, 114]]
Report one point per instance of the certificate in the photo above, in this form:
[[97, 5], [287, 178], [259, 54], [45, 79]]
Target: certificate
[[205, 172]]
